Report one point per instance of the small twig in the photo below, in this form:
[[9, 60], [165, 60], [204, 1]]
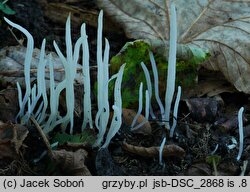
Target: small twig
[[45, 140], [185, 116], [20, 42]]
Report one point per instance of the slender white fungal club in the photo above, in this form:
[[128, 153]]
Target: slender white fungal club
[[171, 65], [161, 150], [240, 121]]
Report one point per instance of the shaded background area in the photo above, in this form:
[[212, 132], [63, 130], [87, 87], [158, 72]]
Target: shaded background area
[[46, 19]]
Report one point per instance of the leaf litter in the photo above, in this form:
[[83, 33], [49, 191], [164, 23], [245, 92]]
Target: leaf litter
[[197, 140]]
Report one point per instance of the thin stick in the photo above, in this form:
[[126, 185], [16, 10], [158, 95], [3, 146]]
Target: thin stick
[[20, 41], [45, 140]]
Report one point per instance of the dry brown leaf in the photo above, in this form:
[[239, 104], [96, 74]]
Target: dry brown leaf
[[213, 88], [168, 150], [220, 27], [11, 140], [71, 163], [8, 105], [127, 118], [210, 84], [140, 18]]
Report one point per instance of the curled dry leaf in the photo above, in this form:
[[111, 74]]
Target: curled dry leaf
[[221, 28], [11, 140], [71, 163], [168, 150], [127, 118]]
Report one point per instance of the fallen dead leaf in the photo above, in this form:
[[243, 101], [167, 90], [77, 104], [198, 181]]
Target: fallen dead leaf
[[8, 105], [11, 140], [211, 86], [71, 163]]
